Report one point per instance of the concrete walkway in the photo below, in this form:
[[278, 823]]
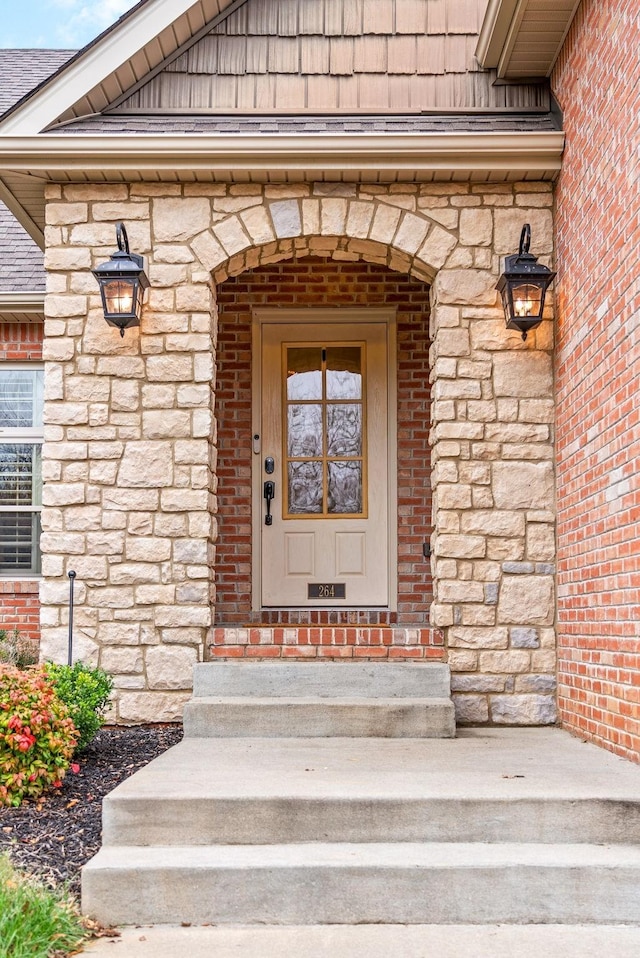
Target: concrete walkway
[[536, 781], [374, 941]]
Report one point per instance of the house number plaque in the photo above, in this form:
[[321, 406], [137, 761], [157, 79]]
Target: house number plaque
[[326, 590]]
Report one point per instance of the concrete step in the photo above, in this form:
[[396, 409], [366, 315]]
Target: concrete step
[[243, 791], [325, 679], [374, 941], [350, 883], [319, 717]]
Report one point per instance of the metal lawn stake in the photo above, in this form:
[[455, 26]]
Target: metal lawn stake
[[72, 576]]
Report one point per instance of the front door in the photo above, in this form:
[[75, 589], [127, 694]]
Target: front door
[[324, 463]]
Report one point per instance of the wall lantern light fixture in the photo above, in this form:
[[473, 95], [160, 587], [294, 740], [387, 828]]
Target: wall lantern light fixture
[[122, 282], [523, 287]]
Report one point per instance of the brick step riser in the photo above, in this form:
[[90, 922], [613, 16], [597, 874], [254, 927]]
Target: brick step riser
[[234, 821]]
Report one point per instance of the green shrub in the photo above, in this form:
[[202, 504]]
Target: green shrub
[[16, 649], [37, 736], [34, 921], [85, 691]]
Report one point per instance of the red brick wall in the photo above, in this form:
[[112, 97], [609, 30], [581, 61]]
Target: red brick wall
[[19, 604], [316, 282], [598, 376]]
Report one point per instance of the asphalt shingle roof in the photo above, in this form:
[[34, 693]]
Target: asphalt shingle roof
[[22, 70], [269, 125], [21, 260]]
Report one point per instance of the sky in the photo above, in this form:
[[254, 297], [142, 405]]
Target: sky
[[57, 24]]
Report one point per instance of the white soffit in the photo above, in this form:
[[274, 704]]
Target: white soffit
[[522, 38], [124, 55]]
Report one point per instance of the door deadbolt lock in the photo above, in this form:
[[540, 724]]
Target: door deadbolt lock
[[269, 465]]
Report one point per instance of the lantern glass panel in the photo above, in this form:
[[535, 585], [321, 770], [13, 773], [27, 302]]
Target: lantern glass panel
[[527, 300], [120, 297]]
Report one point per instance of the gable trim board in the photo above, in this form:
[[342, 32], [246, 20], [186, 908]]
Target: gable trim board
[[139, 42]]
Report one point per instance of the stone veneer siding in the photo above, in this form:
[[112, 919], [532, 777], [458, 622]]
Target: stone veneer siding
[[598, 372], [19, 604], [130, 451], [307, 283]]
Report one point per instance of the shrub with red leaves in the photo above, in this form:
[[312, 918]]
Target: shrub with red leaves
[[37, 737]]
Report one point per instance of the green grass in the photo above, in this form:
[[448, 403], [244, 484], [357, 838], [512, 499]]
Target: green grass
[[35, 922]]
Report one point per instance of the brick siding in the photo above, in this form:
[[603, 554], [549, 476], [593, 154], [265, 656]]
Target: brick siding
[[19, 602], [598, 377], [317, 282]]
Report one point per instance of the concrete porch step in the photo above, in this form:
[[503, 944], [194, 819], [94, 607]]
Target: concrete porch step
[[351, 883], [318, 716], [243, 791], [320, 699], [495, 826], [325, 679]]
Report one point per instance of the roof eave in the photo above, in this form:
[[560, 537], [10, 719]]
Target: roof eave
[[50, 154], [499, 38]]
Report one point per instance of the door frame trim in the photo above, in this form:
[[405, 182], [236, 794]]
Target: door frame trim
[[312, 316]]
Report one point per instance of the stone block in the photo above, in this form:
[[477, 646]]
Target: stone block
[[524, 638], [138, 708], [471, 709], [509, 661], [476, 227], [523, 485], [460, 547], [468, 287], [526, 375], [385, 223], [523, 709], [146, 464], [468, 637], [180, 218], [285, 215], [526, 600]]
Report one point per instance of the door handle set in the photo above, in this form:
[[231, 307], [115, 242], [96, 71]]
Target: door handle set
[[269, 493]]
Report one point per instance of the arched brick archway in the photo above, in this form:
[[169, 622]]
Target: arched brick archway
[[135, 506]]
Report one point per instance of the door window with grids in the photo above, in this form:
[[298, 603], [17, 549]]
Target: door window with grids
[[21, 437], [325, 430]]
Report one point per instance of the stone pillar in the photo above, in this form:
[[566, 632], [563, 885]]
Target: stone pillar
[[129, 454], [493, 473]]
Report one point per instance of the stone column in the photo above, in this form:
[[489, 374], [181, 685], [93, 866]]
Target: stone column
[[493, 472], [128, 467]]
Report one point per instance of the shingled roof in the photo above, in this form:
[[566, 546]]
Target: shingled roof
[[22, 70], [21, 260]]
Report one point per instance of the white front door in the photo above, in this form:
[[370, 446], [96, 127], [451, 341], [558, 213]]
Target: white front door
[[323, 447]]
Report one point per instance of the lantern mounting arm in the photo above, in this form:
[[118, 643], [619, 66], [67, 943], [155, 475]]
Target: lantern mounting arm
[[525, 239], [123, 240]]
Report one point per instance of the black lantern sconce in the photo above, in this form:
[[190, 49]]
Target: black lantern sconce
[[122, 283], [523, 287]]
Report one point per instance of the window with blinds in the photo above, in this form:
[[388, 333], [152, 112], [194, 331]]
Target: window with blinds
[[20, 469]]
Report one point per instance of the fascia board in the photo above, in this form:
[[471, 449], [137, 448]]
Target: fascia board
[[22, 302], [100, 60], [47, 154]]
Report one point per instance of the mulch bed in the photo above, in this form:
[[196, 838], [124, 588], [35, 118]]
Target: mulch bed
[[54, 837]]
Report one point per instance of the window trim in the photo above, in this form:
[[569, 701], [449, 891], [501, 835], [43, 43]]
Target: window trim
[[23, 435]]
